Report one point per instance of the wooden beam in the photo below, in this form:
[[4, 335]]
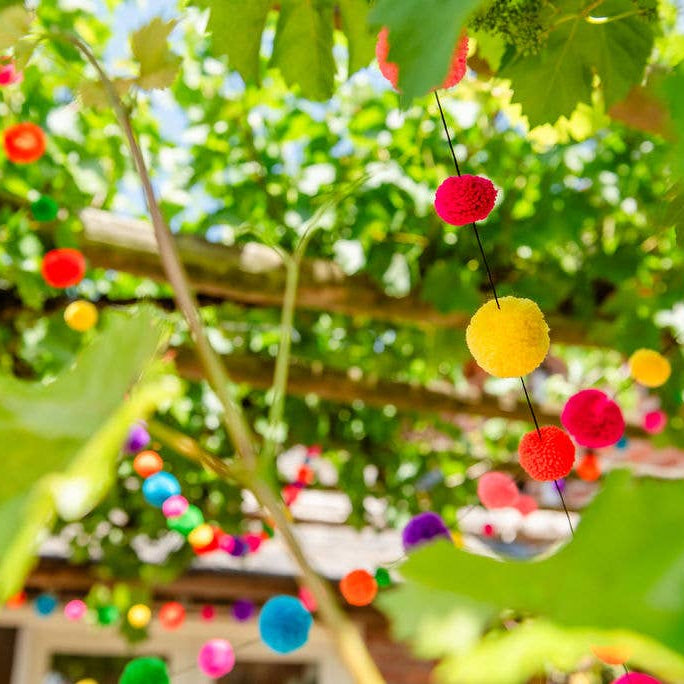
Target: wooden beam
[[253, 274], [336, 386]]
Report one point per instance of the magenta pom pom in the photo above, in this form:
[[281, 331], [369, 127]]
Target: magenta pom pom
[[465, 199], [655, 422], [175, 506], [636, 678], [497, 490], [216, 658], [593, 419]]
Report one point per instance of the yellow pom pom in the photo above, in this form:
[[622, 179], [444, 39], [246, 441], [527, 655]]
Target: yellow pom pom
[[201, 536], [649, 368], [458, 540], [139, 615], [80, 315], [511, 341], [86, 681]]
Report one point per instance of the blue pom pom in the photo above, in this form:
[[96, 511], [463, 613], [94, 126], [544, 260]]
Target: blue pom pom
[[622, 443], [45, 604], [284, 624], [159, 487]]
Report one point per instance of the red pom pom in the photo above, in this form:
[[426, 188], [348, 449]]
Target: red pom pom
[[588, 468], [290, 494], [655, 422], [497, 490], [390, 70], [465, 199], [24, 143], [593, 419], [488, 530], [526, 504], [63, 267], [548, 457]]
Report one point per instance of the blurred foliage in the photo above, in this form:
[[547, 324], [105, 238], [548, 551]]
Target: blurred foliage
[[586, 222], [637, 606]]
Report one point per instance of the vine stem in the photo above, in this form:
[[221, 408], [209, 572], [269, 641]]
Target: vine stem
[[347, 639], [350, 645]]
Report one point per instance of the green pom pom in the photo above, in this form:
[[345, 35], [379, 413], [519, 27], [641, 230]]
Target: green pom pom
[[145, 671], [187, 522], [44, 209], [107, 615], [382, 577]]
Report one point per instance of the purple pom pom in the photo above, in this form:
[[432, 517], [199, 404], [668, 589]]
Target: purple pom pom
[[240, 547], [138, 438], [243, 610], [424, 528]]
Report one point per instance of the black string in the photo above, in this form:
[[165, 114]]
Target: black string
[[529, 405], [477, 233], [565, 508], [496, 298]]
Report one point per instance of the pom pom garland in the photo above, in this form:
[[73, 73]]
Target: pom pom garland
[[216, 658], [81, 315], [187, 522], [655, 422], [175, 506], [147, 463], [45, 604], [44, 209], [593, 419], [359, 588], [284, 624], [390, 70], [24, 143], [636, 678], [649, 368], [139, 616], [75, 610], [511, 341], [171, 615], [159, 487], [548, 454], [497, 490], [145, 671], [138, 438], [63, 267], [423, 528], [526, 504], [465, 199], [243, 610]]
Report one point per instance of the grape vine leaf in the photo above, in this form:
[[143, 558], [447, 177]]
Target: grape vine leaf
[[361, 39], [302, 48], [150, 47], [62, 439], [236, 27], [412, 25], [14, 25], [624, 570], [554, 81]]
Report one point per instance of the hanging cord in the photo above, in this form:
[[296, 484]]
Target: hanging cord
[[496, 299]]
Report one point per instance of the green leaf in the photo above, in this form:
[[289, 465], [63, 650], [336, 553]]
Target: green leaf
[[302, 49], [415, 24], [62, 439], [14, 25], [553, 82], [361, 39], [94, 94], [611, 576], [236, 28], [23, 51], [158, 65], [673, 91]]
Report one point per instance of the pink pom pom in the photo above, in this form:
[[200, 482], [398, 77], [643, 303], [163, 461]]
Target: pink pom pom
[[488, 531], [9, 74], [216, 658], [461, 200], [655, 422], [226, 542], [253, 541], [636, 678], [497, 490], [75, 610], [593, 419], [526, 504], [308, 599], [175, 506]]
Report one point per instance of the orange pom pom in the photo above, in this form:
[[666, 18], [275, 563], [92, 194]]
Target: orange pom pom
[[24, 143], [611, 655], [147, 463], [171, 615], [359, 587], [588, 469]]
